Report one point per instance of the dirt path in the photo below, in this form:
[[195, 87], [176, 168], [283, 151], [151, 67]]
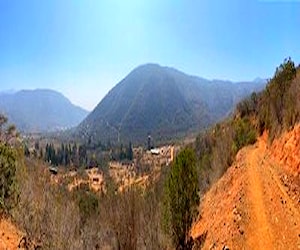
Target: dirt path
[[260, 235], [274, 217], [255, 205]]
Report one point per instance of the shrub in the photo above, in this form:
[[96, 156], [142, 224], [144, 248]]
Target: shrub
[[88, 203], [245, 133], [181, 199]]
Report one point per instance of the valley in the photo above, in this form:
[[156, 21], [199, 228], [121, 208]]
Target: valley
[[149, 125], [142, 171], [234, 185]]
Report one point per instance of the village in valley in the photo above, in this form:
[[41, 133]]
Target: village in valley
[[143, 169]]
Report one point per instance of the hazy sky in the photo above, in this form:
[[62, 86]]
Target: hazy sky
[[83, 48]]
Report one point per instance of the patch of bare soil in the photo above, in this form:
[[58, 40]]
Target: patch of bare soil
[[10, 236], [255, 205]]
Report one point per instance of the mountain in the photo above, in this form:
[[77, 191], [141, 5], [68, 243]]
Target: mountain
[[40, 110], [164, 102]]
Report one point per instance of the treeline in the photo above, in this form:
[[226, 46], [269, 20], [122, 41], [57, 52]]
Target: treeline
[[66, 155], [279, 105], [117, 152], [85, 155], [122, 153], [277, 108], [274, 110]]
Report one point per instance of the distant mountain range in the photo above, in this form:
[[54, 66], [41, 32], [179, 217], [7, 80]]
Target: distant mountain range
[[40, 110], [163, 102]]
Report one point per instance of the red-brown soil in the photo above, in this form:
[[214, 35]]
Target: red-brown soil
[[256, 204], [286, 150], [10, 236]]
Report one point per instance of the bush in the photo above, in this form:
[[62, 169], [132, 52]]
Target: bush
[[245, 133], [88, 203], [181, 199]]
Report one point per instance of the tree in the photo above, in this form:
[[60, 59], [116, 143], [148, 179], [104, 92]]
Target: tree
[[129, 152], [8, 183], [82, 152], [26, 151], [8, 162], [181, 199]]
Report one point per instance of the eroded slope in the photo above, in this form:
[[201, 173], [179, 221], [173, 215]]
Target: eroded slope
[[255, 205]]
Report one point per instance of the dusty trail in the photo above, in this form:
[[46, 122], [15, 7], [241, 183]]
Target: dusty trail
[[260, 236], [251, 206]]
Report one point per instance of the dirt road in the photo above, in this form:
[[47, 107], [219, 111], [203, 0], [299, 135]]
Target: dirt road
[[255, 205], [274, 216]]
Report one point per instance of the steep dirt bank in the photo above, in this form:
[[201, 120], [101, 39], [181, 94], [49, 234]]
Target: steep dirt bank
[[255, 205], [286, 150]]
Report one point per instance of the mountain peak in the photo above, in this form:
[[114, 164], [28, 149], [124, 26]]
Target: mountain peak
[[163, 101], [259, 80]]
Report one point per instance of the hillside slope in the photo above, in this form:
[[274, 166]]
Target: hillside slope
[[40, 110], [255, 205], [163, 102]]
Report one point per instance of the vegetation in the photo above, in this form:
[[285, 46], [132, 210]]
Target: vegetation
[[88, 203], [66, 155], [274, 110], [8, 165], [86, 155], [8, 184], [216, 148], [279, 108], [181, 199], [81, 219]]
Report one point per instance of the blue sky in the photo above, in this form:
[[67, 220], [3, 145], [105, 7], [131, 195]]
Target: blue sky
[[84, 48]]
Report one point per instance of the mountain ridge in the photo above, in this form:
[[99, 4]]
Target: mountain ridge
[[40, 110], [162, 101]]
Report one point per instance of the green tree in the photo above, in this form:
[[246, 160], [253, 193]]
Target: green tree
[[181, 199], [8, 184], [82, 152], [130, 152], [8, 162]]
